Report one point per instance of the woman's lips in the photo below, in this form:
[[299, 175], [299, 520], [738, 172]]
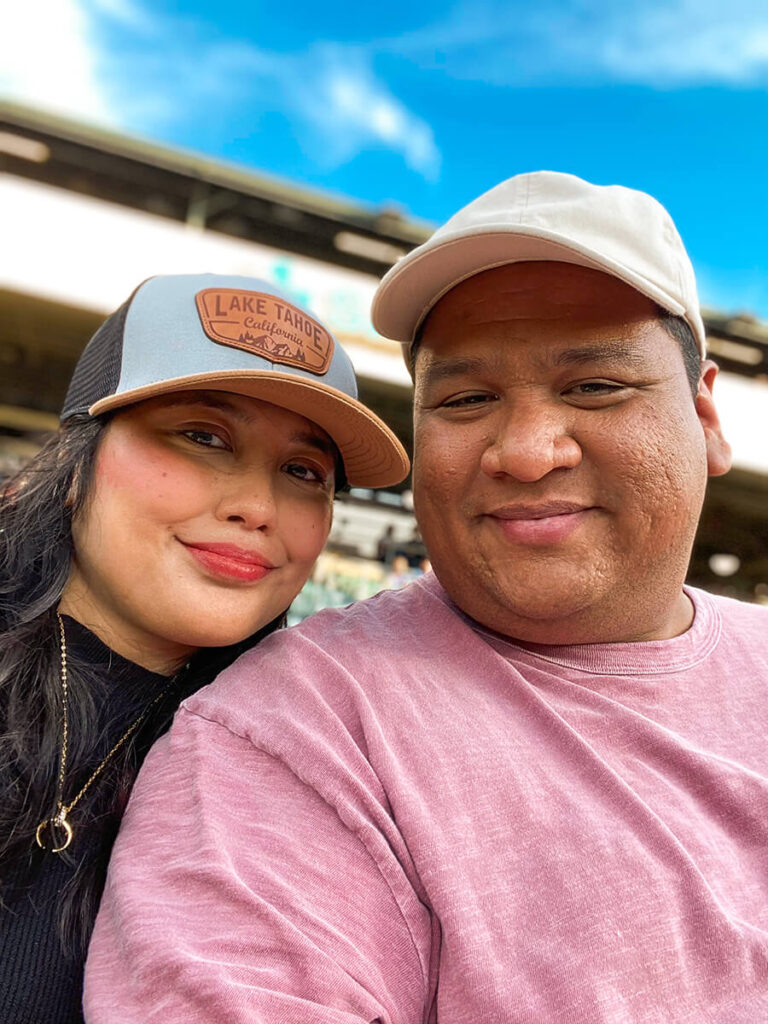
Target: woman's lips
[[230, 562], [541, 524]]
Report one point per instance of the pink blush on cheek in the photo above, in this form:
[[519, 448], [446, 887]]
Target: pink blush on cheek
[[131, 464]]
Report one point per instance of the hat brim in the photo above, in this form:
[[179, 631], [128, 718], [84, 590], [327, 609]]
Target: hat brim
[[372, 455], [418, 281]]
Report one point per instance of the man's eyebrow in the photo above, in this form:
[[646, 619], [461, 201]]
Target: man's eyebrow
[[447, 368], [612, 352]]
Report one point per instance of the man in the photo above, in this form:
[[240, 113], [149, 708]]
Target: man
[[531, 787]]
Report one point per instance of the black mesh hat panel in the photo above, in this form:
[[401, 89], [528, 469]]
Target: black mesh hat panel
[[97, 373]]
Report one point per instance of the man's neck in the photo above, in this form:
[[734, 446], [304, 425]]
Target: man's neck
[[594, 627]]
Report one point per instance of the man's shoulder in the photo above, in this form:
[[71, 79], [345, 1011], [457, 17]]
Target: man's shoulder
[[393, 621], [364, 646], [734, 613], [739, 629], [373, 618]]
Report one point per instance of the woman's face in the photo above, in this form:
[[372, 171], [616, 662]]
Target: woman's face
[[204, 517]]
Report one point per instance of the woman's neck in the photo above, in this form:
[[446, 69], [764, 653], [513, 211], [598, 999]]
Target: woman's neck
[[164, 657]]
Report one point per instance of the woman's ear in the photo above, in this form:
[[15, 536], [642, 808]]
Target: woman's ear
[[718, 449]]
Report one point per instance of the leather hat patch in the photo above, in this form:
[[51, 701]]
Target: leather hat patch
[[265, 325]]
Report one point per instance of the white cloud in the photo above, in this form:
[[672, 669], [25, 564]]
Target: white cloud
[[115, 62], [351, 110], [49, 59], [691, 43], [335, 103], [655, 42], [123, 12]]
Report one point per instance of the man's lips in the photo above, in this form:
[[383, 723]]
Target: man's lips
[[543, 510], [230, 561], [546, 523]]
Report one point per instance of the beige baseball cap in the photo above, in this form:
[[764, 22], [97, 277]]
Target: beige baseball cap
[[544, 215]]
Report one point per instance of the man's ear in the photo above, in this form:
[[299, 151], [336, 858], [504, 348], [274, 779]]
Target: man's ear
[[718, 449]]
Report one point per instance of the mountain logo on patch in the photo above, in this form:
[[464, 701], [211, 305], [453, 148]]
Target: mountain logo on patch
[[269, 327]]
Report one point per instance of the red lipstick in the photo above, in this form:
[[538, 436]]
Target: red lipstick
[[229, 561]]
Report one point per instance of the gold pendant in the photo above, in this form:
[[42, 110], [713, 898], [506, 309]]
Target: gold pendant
[[59, 822]]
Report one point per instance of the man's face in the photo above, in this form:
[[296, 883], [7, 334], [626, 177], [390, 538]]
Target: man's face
[[560, 457]]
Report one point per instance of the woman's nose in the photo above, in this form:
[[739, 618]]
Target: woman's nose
[[249, 499], [529, 443]]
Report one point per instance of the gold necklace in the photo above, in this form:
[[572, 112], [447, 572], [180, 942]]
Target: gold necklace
[[60, 820]]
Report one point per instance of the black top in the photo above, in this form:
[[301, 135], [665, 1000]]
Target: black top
[[41, 983]]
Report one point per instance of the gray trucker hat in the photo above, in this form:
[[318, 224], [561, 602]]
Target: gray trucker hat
[[238, 334]]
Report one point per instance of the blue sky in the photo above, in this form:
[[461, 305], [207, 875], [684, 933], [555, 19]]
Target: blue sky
[[424, 106]]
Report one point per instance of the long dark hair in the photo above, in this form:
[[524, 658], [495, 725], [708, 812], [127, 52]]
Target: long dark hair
[[37, 508]]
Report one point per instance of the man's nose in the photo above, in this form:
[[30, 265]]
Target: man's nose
[[249, 499], [530, 441]]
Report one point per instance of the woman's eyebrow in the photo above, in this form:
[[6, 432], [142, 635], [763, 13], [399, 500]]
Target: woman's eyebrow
[[211, 401], [315, 441], [220, 402]]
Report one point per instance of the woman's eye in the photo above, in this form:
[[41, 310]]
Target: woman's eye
[[206, 439], [312, 474]]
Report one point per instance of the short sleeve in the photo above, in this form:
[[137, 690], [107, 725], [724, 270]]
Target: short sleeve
[[238, 893]]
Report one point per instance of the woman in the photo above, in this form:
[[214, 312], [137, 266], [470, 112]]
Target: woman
[[167, 526]]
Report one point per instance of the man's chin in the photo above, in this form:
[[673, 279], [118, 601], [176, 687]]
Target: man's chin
[[558, 616]]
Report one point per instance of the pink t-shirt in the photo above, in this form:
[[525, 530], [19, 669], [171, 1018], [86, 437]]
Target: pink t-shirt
[[389, 814]]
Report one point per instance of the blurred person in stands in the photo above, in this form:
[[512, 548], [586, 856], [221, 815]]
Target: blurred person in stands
[[400, 573], [168, 525], [385, 543], [533, 785]]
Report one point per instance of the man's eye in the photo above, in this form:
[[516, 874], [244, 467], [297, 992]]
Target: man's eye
[[589, 388], [473, 398], [206, 439]]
